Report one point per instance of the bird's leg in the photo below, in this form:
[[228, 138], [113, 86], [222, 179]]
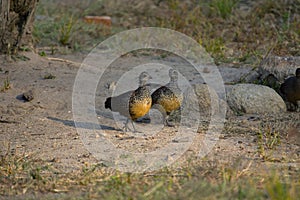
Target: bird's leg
[[163, 113], [292, 106], [175, 116], [126, 128], [134, 129], [166, 120], [298, 106], [167, 123], [165, 117]]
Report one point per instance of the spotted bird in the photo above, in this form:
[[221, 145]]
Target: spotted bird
[[132, 104], [168, 98]]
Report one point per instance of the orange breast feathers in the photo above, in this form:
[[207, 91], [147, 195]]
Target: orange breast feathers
[[139, 109], [170, 104]]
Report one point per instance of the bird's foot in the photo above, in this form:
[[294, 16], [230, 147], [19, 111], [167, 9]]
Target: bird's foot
[[298, 106], [169, 124], [127, 129], [136, 131], [133, 130]]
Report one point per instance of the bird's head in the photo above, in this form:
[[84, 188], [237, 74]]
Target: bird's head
[[143, 78]]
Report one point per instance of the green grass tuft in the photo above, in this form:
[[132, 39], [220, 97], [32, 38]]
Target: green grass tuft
[[223, 8], [6, 85]]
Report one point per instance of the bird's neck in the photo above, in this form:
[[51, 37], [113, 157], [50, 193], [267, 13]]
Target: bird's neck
[[173, 82], [142, 83]]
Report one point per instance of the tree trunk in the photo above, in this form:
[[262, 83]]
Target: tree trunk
[[16, 23]]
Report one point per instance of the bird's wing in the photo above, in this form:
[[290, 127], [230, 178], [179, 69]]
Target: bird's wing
[[175, 90], [121, 103], [157, 94], [287, 85]]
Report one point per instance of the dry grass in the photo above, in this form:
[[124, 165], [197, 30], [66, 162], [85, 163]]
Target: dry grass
[[228, 33], [6, 85], [27, 177]]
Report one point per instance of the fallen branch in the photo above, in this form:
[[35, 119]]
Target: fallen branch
[[64, 60], [8, 122]]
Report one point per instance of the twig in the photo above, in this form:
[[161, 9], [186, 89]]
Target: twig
[[8, 122], [157, 186], [64, 60], [244, 170]]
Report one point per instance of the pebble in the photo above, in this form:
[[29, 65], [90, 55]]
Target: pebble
[[29, 95]]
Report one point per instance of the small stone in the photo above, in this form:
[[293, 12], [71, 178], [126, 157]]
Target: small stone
[[104, 20], [111, 86], [49, 76], [29, 95], [206, 70], [180, 140]]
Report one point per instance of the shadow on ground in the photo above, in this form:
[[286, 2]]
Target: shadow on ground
[[85, 125]]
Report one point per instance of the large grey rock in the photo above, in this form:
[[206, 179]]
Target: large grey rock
[[275, 69], [238, 74], [255, 99]]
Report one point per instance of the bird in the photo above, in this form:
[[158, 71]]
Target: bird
[[132, 104], [290, 90], [168, 98]]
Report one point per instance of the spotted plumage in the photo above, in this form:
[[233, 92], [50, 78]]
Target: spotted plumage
[[140, 102], [132, 104], [168, 97], [290, 90]]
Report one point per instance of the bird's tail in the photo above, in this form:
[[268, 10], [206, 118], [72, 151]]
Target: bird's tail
[[108, 103]]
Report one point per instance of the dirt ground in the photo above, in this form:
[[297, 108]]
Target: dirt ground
[[45, 127]]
